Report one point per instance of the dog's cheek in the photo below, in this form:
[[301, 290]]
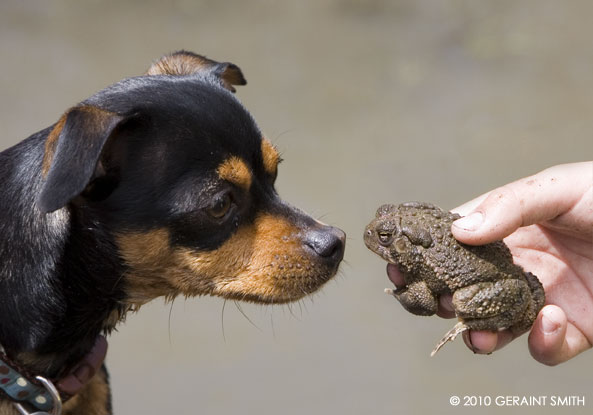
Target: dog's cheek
[[263, 262], [157, 269], [148, 258]]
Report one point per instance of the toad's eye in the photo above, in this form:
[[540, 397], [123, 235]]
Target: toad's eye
[[385, 237], [220, 206]]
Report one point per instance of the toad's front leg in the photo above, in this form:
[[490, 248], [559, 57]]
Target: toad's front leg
[[417, 298]]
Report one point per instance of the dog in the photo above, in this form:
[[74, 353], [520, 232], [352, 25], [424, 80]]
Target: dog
[[157, 186]]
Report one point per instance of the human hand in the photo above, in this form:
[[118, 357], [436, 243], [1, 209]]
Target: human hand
[[547, 222]]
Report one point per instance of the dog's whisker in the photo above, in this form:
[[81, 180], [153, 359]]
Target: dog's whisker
[[321, 217], [169, 321], [245, 315], [278, 136], [222, 320], [289, 306], [272, 325]]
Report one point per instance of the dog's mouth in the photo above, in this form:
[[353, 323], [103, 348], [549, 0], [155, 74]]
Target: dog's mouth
[[269, 261], [286, 278]]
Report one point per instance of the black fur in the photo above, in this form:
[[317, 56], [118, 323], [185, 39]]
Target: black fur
[[139, 155], [60, 271], [77, 152]]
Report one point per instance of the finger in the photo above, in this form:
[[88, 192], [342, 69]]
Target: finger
[[547, 340], [395, 275], [481, 342], [470, 206], [495, 218], [486, 342], [97, 355], [446, 309], [85, 370], [553, 340], [504, 338], [534, 199]]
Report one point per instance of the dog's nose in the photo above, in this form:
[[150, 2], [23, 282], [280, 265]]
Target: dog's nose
[[327, 241]]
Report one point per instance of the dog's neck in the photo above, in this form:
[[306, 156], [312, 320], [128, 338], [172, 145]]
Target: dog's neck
[[59, 275]]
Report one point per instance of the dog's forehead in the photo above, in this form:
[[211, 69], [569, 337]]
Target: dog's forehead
[[190, 102], [198, 119], [178, 97]]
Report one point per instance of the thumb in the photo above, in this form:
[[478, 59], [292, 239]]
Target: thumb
[[547, 340], [553, 339], [495, 218], [534, 199]]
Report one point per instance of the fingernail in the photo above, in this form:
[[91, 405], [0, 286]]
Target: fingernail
[[549, 326], [467, 339], [471, 222]]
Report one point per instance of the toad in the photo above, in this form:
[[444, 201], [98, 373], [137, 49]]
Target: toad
[[489, 291]]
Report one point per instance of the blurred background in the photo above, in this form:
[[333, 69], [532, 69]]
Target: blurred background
[[369, 102]]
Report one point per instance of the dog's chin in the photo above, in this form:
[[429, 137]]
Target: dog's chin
[[277, 289]]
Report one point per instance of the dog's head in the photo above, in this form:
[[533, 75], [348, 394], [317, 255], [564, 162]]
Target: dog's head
[[178, 171]]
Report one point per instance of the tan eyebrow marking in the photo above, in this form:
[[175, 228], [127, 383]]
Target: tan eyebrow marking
[[270, 157], [235, 170]]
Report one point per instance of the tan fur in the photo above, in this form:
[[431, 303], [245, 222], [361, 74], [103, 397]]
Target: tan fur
[[97, 119], [270, 157], [183, 63], [116, 316], [235, 170], [148, 254], [179, 64], [262, 262], [50, 144]]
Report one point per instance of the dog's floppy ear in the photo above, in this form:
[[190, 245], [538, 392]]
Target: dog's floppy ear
[[72, 152], [188, 63]]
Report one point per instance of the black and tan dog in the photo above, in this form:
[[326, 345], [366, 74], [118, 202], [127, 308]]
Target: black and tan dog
[[159, 185]]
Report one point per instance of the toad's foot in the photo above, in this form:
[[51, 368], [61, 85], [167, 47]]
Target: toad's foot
[[395, 292], [450, 336]]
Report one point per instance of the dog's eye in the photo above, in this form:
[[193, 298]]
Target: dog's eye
[[220, 206]]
